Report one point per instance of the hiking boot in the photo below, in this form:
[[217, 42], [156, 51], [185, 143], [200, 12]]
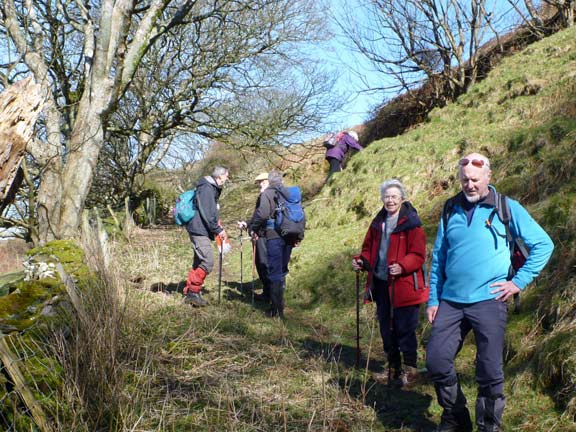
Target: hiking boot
[[277, 299], [262, 297], [274, 312], [489, 412], [455, 416], [456, 421], [195, 299]]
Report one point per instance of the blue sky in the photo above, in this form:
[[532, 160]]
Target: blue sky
[[354, 80], [354, 70]]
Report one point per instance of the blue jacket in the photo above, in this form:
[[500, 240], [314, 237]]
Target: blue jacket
[[469, 257]]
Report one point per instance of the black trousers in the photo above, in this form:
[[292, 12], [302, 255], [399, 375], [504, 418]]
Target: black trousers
[[397, 326], [261, 261], [335, 166]]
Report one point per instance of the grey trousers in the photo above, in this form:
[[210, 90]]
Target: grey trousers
[[203, 254]]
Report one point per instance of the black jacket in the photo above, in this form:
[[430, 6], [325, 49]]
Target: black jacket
[[205, 223], [265, 212], [262, 230]]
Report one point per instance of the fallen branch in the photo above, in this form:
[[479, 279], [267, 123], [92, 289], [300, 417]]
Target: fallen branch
[[11, 367]]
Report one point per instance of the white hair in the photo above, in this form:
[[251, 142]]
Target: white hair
[[392, 183]]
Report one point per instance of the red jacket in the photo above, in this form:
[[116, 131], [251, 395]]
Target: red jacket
[[407, 248]]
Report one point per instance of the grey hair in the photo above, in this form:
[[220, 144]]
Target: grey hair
[[275, 178], [392, 183], [219, 171]]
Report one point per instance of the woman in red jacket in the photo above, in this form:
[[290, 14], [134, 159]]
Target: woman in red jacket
[[393, 253]]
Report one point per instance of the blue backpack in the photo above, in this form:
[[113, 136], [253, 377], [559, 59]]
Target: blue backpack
[[184, 209], [290, 219]]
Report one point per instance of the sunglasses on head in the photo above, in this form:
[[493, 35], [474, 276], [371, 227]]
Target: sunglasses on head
[[476, 162]]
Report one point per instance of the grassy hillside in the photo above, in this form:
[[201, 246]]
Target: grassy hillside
[[227, 367], [523, 116]]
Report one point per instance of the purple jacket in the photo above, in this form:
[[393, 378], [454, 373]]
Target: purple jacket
[[344, 143]]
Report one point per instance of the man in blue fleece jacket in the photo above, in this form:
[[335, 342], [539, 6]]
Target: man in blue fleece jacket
[[469, 290]]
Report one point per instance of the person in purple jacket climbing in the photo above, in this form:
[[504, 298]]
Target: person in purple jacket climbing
[[337, 148]]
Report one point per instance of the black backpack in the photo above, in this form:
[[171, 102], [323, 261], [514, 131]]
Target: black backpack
[[518, 250]]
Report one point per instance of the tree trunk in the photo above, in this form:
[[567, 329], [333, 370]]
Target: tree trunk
[[20, 106], [86, 142]]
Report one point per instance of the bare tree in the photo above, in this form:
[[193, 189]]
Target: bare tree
[[86, 56], [543, 16], [220, 84], [424, 40]]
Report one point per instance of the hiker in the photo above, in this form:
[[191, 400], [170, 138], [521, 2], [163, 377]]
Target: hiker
[[335, 153], [278, 249], [393, 253], [259, 243], [203, 228], [469, 287]]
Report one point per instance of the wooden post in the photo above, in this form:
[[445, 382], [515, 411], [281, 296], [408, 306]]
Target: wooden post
[[11, 366]]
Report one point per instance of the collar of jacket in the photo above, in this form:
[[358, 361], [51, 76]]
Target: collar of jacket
[[488, 201], [212, 181], [407, 218]]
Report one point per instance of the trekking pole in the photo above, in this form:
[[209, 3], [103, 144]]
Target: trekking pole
[[241, 263], [357, 319], [253, 266], [220, 271], [391, 324]]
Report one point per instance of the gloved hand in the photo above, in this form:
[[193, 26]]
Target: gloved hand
[[360, 263]]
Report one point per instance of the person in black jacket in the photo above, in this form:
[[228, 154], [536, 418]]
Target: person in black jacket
[[278, 249], [203, 228], [259, 243]]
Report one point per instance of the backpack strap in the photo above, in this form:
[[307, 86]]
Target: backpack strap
[[447, 210], [505, 216]]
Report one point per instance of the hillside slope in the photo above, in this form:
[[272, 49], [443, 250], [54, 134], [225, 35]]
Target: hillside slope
[[523, 116], [299, 375]]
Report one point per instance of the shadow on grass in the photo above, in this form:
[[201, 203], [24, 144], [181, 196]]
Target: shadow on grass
[[344, 355], [395, 408], [243, 293], [170, 287]]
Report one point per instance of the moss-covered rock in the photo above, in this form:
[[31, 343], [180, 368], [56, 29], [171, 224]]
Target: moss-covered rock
[[28, 301], [30, 307]]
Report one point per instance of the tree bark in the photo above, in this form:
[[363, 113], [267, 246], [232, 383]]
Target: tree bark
[[20, 106]]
